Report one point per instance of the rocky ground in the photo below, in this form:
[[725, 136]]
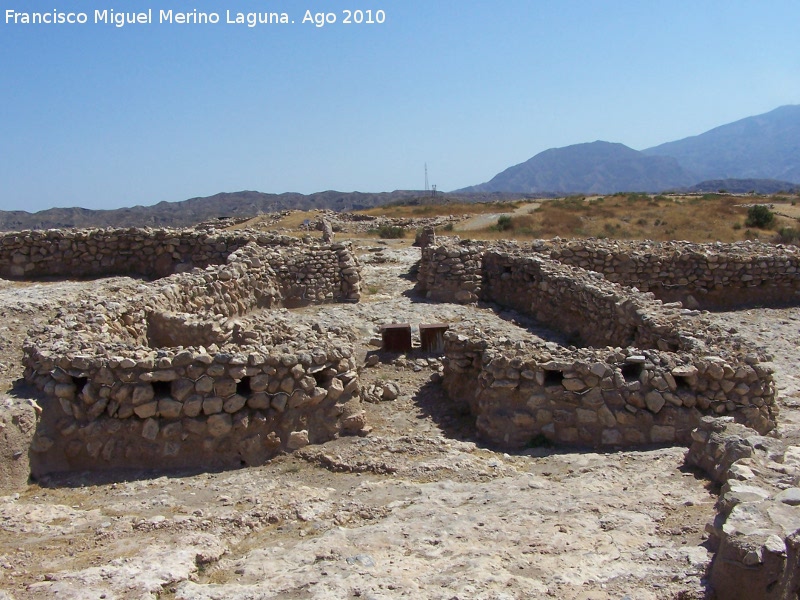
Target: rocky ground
[[415, 509]]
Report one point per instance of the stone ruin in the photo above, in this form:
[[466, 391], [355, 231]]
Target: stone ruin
[[205, 367], [636, 370], [756, 533], [201, 368]]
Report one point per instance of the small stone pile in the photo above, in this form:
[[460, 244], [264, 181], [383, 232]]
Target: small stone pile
[[191, 371]]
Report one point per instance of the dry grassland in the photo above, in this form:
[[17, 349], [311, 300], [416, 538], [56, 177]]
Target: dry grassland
[[710, 217]]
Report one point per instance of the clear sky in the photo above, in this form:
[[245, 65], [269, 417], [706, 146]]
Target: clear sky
[[100, 116]]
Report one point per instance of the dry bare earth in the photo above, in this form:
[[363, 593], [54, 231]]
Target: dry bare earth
[[483, 221], [416, 509]]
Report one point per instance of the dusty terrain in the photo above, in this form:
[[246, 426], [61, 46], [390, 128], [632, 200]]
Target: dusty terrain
[[416, 509]]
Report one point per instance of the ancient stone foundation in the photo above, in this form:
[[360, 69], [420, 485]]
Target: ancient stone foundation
[[200, 369], [635, 370], [756, 533]]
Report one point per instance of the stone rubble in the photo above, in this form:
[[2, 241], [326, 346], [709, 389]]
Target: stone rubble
[[755, 534]]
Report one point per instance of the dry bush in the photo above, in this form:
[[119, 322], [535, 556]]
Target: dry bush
[[564, 223]]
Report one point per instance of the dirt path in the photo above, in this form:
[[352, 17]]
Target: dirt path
[[488, 219]]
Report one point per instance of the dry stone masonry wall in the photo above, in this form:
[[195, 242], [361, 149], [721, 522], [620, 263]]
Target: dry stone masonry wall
[[756, 533], [700, 275], [191, 370], [77, 253], [645, 372]]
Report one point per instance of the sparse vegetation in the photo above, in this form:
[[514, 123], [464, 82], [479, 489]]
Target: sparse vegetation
[[760, 216], [504, 223], [693, 217], [390, 232], [399, 210], [787, 235]]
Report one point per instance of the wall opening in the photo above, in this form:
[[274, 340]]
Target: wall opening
[[243, 387], [162, 389], [682, 382], [632, 371], [80, 382], [553, 377]]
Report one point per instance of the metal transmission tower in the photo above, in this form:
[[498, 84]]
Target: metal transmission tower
[[427, 189]]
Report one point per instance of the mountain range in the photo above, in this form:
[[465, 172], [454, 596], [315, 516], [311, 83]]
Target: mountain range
[[245, 204], [760, 153], [763, 147]]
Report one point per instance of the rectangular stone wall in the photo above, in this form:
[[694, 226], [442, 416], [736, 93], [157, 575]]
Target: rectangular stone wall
[[611, 397], [188, 372], [699, 275], [714, 275], [590, 310], [193, 408], [81, 253], [649, 370]]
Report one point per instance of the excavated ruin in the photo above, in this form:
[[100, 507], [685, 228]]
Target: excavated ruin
[[203, 368], [202, 363]]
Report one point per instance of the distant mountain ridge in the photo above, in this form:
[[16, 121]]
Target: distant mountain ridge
[[245, 204], [593, 168], [195, 210], [760, 153], [763, 147]]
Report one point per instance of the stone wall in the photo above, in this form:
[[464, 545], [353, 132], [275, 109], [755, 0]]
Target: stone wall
[[451, 272], [646, 372], [78, 253], [699, 275], [191, 371], [755, 533], [711, 276]]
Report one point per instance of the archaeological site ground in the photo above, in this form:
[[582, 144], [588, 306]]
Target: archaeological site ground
[[511, 400]]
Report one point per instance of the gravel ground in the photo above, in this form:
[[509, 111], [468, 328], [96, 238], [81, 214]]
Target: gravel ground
[[417, 509]]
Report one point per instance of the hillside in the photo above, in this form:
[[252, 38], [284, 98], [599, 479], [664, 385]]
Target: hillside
[[761, 147], [745, 186], [244, 204], [593, 168]]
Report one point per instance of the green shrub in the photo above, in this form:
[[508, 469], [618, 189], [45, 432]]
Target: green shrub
[[787, 235], [759, 216], [504, 223], [390, 232]]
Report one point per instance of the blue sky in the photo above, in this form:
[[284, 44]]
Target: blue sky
[[101, 117]]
